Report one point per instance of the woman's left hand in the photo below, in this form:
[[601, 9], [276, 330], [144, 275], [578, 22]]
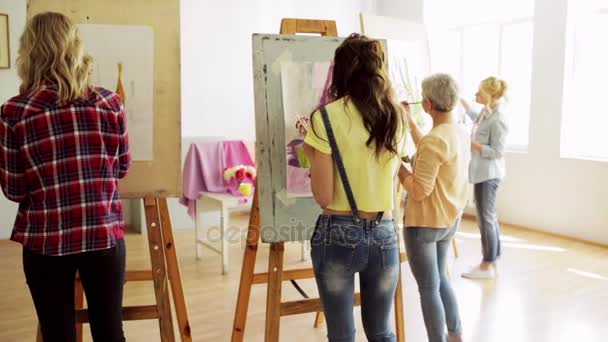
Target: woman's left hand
[[476, 146], [403, 172]]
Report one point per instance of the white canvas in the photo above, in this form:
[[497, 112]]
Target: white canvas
[[133, 46]]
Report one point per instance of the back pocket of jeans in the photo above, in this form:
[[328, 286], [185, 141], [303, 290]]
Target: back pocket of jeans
[[340, 248], [389, 248]]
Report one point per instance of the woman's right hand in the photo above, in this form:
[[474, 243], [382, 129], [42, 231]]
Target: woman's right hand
[[408, 111], [465, 104]]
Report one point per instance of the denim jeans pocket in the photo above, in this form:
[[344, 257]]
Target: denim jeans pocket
[[389, 248], [340, 245], [317, 242]]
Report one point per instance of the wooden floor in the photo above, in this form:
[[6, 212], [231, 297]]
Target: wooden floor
[[549, 289]]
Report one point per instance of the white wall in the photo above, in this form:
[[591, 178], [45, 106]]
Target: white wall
[[217, 81], [404, 9], [9, 87], [543, 191]]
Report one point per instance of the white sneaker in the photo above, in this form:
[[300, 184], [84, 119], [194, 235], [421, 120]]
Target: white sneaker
[[478, 273]]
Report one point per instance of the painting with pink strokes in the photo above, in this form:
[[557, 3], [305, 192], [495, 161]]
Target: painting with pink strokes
[[305, 88]]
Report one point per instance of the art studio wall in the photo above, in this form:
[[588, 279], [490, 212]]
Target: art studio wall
[[217, 84], [217, 81], [542, 190], [9, 87]]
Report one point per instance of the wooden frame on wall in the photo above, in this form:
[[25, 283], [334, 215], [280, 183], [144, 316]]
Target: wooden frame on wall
[[5, 43]]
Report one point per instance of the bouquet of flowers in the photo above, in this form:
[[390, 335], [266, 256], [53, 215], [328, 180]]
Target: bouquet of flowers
[[240, 179]]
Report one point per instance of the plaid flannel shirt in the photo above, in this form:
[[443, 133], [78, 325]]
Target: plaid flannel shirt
[[62, 164]]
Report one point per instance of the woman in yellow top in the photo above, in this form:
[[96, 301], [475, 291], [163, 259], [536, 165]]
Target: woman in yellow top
[[437, 195], [354, 155]]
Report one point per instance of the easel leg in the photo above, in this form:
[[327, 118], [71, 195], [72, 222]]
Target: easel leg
[[159, 273], [79, 301], [399, 309], [456, 251], [305, 250], [273, 296], [242, 302], [175, 277], [319, 319], [224, 218], [39, 335], [198, 249]]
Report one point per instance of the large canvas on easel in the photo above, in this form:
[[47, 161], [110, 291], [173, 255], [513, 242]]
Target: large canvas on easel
[[157, 168], [283, 215]]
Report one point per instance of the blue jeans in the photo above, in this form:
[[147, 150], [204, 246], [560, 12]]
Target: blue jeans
[[341, 248], [427, 252], [485, 201]]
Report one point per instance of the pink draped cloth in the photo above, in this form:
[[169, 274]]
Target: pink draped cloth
[[204, 169]]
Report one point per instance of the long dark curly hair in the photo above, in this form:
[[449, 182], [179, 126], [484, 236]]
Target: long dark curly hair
[[359, 73]]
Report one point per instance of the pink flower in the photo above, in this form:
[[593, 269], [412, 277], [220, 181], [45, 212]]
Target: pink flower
[[240, 175]]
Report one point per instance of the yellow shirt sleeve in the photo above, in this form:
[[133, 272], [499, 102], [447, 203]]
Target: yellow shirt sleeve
[[402, 135], [429, 157], [316, 135], [402, 149]]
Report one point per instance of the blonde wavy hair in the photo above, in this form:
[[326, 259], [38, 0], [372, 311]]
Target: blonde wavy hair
[[51, 52], [495, 87]]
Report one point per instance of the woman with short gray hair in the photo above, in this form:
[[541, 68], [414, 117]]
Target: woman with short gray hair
[[437, 194]]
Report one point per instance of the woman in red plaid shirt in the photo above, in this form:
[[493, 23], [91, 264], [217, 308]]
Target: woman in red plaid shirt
[[63, 148]]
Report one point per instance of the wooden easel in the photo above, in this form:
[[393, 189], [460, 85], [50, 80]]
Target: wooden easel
[[165, 267], [275, 275]]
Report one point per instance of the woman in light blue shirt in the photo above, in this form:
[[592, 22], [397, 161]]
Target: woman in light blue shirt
[[487, 169]]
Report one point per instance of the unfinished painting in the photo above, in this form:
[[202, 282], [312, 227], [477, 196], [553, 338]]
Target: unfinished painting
[[406, 70], [304, 86], [124, 62]]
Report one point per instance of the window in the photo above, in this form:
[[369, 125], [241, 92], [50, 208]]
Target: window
[[494, 39], [516, 68], [442, 46], [584, 118], [480, 47]]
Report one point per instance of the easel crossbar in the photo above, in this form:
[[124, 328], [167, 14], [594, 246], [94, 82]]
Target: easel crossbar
[[298, 307], [304, 273], [129, 313]]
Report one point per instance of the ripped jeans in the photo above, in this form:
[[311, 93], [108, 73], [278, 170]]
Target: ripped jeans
[[341, 248]]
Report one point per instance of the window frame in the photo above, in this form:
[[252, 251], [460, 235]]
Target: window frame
[[460, 29]]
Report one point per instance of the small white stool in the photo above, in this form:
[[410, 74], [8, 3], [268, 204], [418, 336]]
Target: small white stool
[[224, 203]]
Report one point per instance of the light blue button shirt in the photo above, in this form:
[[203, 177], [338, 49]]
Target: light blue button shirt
[[491, 133]]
